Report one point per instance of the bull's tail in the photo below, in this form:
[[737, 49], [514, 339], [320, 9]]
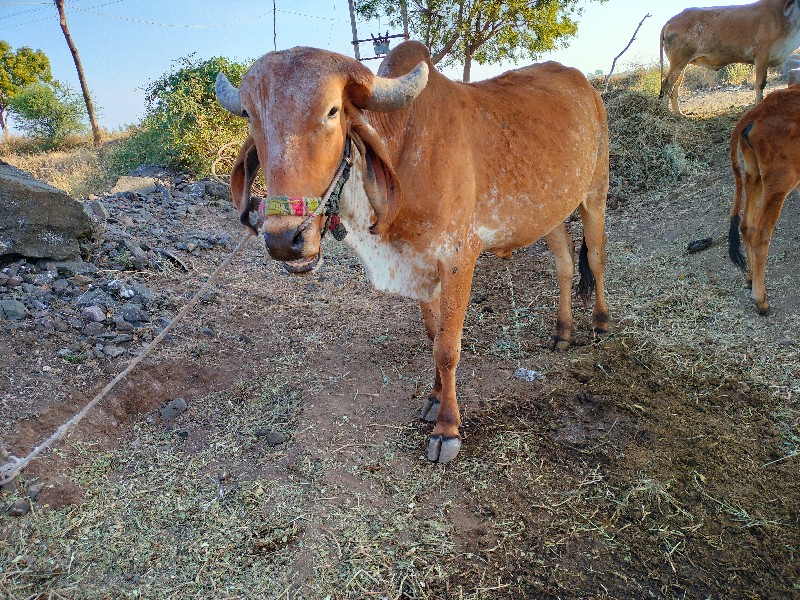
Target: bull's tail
[[740, 132], [586, 281]]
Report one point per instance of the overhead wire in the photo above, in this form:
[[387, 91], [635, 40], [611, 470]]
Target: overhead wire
[[330, 31], [40, 6], [187, 26], [74, 10], [91, 10]]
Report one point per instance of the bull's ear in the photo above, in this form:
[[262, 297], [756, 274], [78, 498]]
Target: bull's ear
[[380, 180], [790, 6], [242, 176]]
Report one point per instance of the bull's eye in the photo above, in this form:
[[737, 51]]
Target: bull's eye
[[333, 112], [244, 114]]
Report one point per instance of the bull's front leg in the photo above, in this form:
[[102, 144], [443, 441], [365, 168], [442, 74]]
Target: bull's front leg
[[760, 68], [430, 317], [445, 319]]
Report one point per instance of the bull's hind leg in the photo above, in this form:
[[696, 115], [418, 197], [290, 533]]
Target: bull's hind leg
[[671, 85], [560, 244], [753, 190], [430, 317], [760, 237], [592, 262]]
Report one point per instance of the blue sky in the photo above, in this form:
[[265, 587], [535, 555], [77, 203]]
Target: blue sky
[[124, 44]]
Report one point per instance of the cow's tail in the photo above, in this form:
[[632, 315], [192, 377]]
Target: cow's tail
[[740, 132], [586, 281]]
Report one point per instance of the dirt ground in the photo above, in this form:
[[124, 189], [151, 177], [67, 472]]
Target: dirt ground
[[661, 461]]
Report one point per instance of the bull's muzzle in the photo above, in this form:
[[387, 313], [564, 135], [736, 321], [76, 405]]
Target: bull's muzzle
[[296, 246], [285, 245]]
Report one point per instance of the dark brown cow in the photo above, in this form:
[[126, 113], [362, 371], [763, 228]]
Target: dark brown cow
[[441, 171], [763, 34], [768, 136]]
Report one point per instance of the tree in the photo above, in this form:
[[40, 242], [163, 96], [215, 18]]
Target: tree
[[49, 113], [184, 125], [486, 31], [18, 69], [62, 17]]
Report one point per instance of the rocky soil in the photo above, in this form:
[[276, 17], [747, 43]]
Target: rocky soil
[[102, 310], [270, 446]]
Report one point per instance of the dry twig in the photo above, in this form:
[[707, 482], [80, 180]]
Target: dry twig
[[614, 62]]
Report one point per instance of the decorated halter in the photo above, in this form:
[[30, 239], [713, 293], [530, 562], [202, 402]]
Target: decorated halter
[[312, 207]]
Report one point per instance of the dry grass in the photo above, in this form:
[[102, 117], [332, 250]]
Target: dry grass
[[660, 462], [80, 170], [648, 145]]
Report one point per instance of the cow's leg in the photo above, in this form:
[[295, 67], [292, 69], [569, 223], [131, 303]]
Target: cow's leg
[[430, 317], [760, 68], [560, 244], [593, 252], [753, 190], [675, 89], [672, 84], [455, 274], [771, 206]]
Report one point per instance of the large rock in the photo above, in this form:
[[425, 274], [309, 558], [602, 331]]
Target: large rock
[[38, 220], [138, 185]]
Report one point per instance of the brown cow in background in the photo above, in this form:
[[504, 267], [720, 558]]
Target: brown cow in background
[[768, 136], [763, 34], [441, 171]]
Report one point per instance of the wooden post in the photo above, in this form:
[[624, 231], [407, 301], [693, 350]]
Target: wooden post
[[355, 31]]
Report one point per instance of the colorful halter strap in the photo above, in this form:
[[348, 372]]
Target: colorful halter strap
[[296, 206], [312, 207]]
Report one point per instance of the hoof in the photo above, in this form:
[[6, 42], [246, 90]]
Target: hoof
[[557, 344], [764, 311], [600, 330], [430, 410], [443, 449]]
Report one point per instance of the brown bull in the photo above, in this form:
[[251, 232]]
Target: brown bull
[[763, 34], [441, 171], [768, 136]]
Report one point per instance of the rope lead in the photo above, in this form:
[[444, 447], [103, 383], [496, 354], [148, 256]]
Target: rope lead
[[11, 469]]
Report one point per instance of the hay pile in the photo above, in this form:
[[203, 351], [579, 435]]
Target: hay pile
[[649, 147]]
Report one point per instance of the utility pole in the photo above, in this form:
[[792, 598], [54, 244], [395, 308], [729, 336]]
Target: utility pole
[[84, 88], [355, 30]]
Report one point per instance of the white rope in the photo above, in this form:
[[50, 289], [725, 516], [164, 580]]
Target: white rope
[[9, 471]]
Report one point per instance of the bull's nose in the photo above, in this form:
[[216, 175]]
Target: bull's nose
[[285, 245]]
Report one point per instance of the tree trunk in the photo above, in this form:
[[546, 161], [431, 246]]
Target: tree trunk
[[3, 125], [84, 88], [467, 64]]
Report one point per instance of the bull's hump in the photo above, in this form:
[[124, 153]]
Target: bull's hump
[[403, 58]]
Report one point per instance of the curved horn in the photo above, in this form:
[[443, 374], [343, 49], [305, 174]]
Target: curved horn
[[390, 94], [228, 95]]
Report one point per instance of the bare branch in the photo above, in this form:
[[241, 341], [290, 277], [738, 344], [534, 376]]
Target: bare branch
[[445, 49], [614, 63]]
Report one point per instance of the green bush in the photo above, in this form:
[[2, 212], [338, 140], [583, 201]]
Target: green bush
[[50, 114], [639, 77], [649, 82], [735, 74], [184, 124]]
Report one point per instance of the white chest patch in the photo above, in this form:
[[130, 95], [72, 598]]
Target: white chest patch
[[781, 50], [391, 266]]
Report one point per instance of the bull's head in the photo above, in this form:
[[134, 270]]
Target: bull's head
[[302, 106]]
